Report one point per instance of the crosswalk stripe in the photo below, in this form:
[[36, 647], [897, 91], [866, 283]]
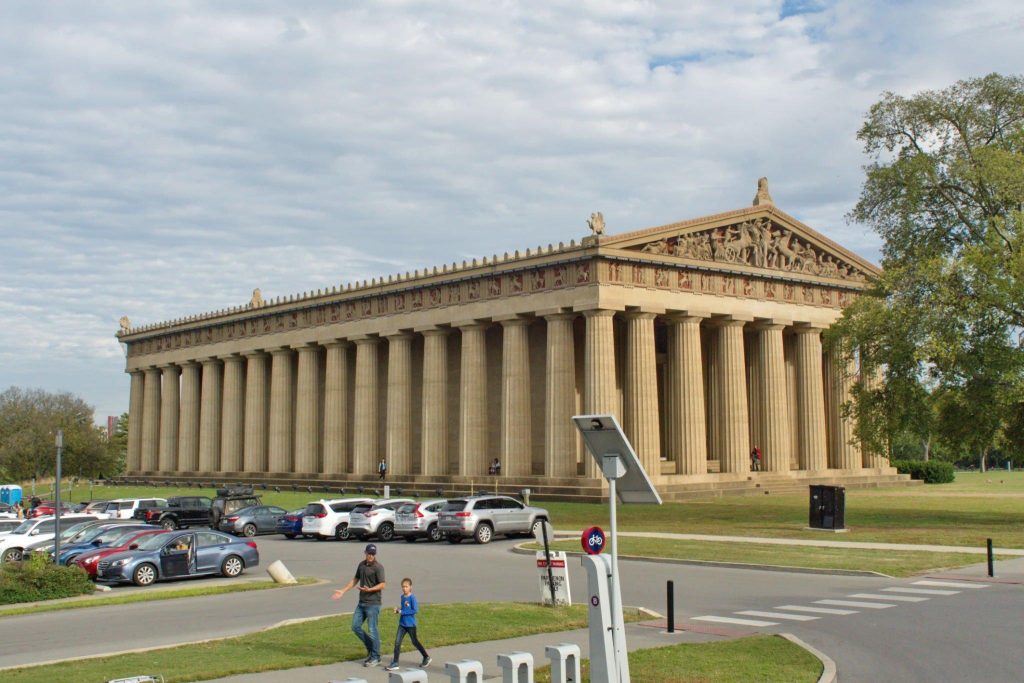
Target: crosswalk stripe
[[816, 610], [920, 591], [854, 603], [778, 615], [897, 598], [950, 584], [732, 620]]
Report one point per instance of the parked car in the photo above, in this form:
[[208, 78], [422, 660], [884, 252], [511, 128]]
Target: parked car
[[9, 525], [483, 517], [229, 501], [8, 511], [256, 519], [91, 539], [419, 520], [124, 508], [178, 512], [94, 506], [376, 519], [179, 554], [329, 518], [49, 507], [72, 533], [89, 559], [29, 531], [291, 524]]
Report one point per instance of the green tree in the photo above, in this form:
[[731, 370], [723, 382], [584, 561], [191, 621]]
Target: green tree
[[945, 191]]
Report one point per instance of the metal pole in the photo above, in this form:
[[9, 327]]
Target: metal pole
[[56, 526], [671, 600], [991, 567], [547, 559]]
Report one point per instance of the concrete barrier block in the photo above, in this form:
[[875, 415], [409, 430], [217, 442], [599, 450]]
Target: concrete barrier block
[[565, 662], [408, 676], [465, 671], [279, 573], [516, 667]]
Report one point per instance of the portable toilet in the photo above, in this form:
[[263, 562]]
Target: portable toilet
[[10, 494]]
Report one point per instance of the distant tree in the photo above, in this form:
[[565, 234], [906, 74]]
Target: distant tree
[[946, 193]]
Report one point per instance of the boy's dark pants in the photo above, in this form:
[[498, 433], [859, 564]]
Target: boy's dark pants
[[411, 630]]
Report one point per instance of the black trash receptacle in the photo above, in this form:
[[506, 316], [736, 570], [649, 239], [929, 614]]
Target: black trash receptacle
[[828, 507]]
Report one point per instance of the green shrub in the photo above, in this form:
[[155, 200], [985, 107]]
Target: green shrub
[[38, 579], [930, 472]]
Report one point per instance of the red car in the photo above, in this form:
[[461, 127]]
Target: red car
[[89, 560], [48, 507]]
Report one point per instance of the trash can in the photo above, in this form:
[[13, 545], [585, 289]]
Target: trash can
[[828, 507]]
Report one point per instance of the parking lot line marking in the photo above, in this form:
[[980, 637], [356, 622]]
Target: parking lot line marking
[[920, 591], [950, 584], [898, 598], [817, 610], [854, 603], [777, 615], [732, 620]]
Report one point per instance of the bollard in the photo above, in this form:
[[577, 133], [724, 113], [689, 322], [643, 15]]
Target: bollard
[[279, 573], [671, 600], [516, 667], [565, 662], [465, 671], [991, 567], [408, 676]]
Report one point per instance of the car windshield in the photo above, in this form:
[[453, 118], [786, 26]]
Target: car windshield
[[83, 534], [25, 527], [115, 535], [73, 532], [152, 542]]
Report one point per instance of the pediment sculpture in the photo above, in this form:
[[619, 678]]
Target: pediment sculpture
[[758, 243]]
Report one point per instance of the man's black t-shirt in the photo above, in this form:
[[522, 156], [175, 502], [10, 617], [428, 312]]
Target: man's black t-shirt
[[368, 575]]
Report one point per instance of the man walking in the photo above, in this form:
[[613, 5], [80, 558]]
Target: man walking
[[370, 580]]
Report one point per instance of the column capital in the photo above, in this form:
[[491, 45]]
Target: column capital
[[280, 351], [169, 366], [639, 315], [770, 324], [237, 357], [254, 353], [433, 331], [513, 321], [398, 336], [472, 325], [809, 328], [729, 320], [561, 315], [337, 343], [597, 312], [306, 346], [365, 340], [680, 317]]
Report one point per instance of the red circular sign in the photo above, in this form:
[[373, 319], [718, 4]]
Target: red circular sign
[[593, 540]]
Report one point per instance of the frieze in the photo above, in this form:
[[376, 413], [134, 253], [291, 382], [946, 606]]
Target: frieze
[[757, 243]]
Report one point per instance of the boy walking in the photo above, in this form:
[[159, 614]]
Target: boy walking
[[408, 607], [370, 580]]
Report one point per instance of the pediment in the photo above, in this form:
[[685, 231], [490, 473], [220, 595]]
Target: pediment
[[761, 238]]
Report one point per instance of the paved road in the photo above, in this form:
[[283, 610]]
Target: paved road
[[972, 634]]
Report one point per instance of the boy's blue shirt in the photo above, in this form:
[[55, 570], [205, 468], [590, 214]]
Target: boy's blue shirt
[[408, 606]]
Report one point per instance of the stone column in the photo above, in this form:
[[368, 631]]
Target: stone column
[[560, 398], [641, 395], [255, 457], [307, 411], [733, 419], [365, 437], [232, 433], [188, 427], [810, 400], [151, 420], [434, 445], [776, 447], [473, 401], [688, 420], [210, 410], [170, 404], [516, 442], [599, 396], [398, 449], [282, 417], [135, 408], [874, 377], [336, 409], [843, 454]]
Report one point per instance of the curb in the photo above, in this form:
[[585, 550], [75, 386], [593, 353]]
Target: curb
[[828, 673], [521, 550]]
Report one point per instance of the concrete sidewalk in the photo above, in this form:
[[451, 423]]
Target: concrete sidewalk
[[639, 636]]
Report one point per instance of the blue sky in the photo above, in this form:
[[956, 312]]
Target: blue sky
[[163, 159]]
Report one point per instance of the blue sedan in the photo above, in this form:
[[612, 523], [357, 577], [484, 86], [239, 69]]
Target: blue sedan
[[291, 524], [179, 555]]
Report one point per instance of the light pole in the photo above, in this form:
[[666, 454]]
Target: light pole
[[56, 524]]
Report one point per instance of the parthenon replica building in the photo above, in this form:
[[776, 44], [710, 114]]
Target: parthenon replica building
[[703, 337]]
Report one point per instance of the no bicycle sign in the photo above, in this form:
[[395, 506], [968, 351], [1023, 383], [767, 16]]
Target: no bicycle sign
[[593, 540]]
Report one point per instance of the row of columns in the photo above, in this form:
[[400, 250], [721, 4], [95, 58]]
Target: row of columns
[[249, 413]]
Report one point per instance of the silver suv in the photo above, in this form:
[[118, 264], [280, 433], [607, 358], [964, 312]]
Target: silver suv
[[419, 520], [482, 517], [377, 519]]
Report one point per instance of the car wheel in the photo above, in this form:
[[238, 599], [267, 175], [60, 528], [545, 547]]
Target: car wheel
[[483, 534], [168, 524], [434, 533], [249, 530], [409, 539], [144, 574], [341, 532], [232, 566], [535, 529], [453, 538], [289, 536], [386, 532], [11, 555]]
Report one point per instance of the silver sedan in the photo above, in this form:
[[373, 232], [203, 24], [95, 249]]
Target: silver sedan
[[255, 519]]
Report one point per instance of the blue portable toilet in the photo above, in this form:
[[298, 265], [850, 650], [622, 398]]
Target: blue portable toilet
[[10, 494]]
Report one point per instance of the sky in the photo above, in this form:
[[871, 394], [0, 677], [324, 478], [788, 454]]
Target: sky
[[164, 159]]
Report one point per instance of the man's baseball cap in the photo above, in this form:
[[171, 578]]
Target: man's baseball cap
[[371, 549]]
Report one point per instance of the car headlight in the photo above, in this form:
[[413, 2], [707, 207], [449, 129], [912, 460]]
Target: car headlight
[[90, 560], [119, 563]]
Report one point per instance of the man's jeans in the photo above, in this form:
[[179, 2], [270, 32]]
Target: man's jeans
[[369, 614]]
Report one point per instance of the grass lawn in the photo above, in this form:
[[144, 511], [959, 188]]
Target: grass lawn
[[322, 641], [758, 658], [891, 563]]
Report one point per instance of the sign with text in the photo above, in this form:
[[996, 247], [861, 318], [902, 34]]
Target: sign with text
[[559, 576], [593, 540]]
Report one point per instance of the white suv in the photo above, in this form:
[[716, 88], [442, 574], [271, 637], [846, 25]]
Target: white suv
[[376, 519], [34, 531], [329, 518], [124, 508]]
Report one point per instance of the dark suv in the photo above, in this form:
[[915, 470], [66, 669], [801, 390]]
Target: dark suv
[[178, 512], [231, 500], [483, 517]]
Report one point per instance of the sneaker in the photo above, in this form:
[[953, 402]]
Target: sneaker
[[393, 666], [426, 662], [372, 662]]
